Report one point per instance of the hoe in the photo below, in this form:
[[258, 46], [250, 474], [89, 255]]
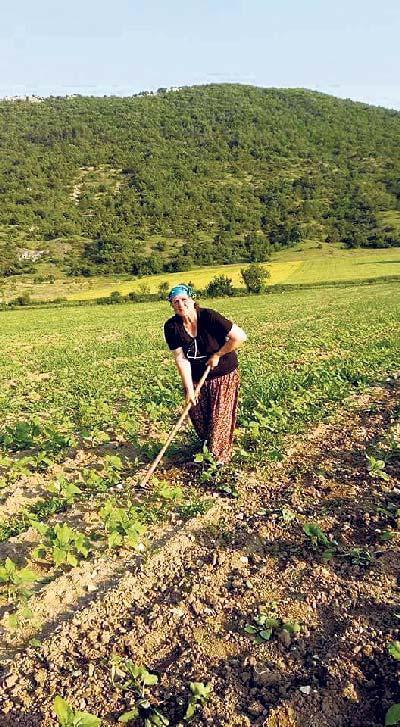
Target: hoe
[[174, 431]]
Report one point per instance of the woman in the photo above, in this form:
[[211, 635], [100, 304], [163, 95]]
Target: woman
[[201, 337]]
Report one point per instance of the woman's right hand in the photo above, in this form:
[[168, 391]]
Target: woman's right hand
[[191, 398]]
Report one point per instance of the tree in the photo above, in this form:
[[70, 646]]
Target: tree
[[254, 278]]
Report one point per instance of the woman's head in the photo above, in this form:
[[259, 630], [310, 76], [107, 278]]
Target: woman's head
[[181, 298]]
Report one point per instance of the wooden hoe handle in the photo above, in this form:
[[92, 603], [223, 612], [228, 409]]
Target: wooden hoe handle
[[174, 431]]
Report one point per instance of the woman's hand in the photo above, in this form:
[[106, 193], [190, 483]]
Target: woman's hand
[[191, 397], [213, 361]]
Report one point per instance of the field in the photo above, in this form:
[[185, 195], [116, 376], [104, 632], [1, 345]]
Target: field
[[310, 262], [265, 594]]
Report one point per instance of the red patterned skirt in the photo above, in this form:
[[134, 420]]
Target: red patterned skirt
[[214, 416]]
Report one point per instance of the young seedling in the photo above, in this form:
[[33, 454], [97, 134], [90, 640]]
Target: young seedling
[[376, 468], [112, 468], [122, 526], [394, 650], [15, 579], [19, 619], [137, 678], [265, 625], [66, 490], [68, 717], [359, 556], [210, 470], [393, 715], [150, 715], [63, 544], [320, 540], [213, 473], [200, 693], [168, 493]]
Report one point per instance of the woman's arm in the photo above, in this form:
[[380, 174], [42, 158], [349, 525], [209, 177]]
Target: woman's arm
[[235, 338], [185, 371]]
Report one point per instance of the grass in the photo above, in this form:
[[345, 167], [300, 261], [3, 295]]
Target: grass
[[91, 370], [326, 264], [308, 263]]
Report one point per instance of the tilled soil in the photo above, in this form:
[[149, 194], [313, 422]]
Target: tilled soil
[[182, 611]]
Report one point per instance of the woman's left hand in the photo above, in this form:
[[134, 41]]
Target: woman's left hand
[[213, 361]]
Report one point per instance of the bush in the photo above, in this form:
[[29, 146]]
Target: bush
[[254, 278], [221, 286], [23, 299], [163, 289]]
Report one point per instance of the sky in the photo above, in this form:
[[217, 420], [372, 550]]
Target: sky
[[347, 48]]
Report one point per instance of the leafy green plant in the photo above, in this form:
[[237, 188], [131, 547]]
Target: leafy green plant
[[194, 507], [200, 694], [205, 456], [108, 476], [42, 461], [122, 525], [68, 717], [213, 473], [320, 540], [22, 436], [376, 468], [137, 678], [64, 545], [19, 619], [393, 715], [394, 650], [112, 468], [94, 480], [264, 625], [167, 492], [17, 468], [386, 535], [67, 490], [150, 715], [359, 556], [15, 578]]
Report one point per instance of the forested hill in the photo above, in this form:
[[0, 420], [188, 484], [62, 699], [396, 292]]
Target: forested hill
[[217, 173]]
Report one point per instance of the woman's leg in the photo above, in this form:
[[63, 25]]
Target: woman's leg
[[200, 414], [224, 393]]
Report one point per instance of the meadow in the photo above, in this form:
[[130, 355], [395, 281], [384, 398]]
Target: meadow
[[307, 263], [87, 398]]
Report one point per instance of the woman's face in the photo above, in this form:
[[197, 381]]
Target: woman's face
[[183, 305]]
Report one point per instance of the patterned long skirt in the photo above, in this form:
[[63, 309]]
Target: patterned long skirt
[[214, 416]]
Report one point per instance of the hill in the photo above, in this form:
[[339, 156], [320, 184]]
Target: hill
[[211, 174]]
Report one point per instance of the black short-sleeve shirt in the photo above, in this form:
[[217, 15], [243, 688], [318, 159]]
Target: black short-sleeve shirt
[[212, 330]]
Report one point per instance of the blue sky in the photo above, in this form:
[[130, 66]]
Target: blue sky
[[348, 49]]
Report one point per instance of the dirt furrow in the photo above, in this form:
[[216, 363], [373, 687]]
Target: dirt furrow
[[184, 611]]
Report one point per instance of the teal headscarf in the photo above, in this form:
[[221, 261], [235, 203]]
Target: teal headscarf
[[181, 289]]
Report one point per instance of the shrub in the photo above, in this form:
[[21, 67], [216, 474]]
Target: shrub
[[163, 289], [23, 299], [116, 297], [221, 285]]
